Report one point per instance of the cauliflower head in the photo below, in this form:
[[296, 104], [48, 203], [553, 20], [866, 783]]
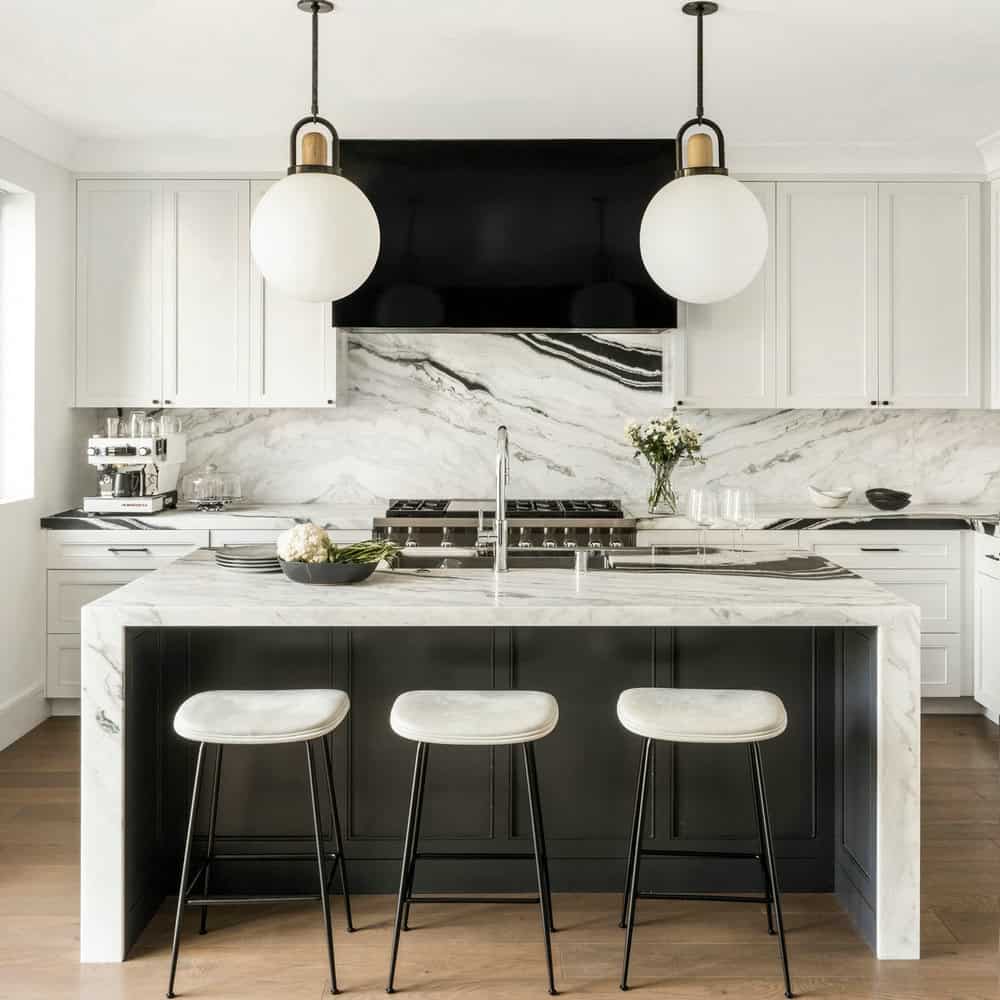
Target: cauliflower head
[[304, 543]]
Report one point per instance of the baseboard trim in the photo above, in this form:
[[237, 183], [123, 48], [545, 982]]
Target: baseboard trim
[[64, 706], [20, 713], [951, 706]]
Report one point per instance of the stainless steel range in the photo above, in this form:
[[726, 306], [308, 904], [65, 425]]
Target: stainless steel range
[[530, 523]]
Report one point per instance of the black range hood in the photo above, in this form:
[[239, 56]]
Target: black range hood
[[509, 235]]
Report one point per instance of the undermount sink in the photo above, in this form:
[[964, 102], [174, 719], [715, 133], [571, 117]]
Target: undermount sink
[[516, 559]]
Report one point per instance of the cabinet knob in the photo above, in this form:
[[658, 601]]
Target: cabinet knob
[[167, 402], [680, 402], [886, 402], [156, 401], [330, 402], [874, 402]]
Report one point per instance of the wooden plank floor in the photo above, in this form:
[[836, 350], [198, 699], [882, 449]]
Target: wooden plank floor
[[687, 951]]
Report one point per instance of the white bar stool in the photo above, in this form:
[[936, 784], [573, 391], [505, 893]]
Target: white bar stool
[[255, 718], [684, 715], [472, 718]]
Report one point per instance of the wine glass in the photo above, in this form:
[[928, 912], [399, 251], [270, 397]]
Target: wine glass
[[703, 509], [738, 508]]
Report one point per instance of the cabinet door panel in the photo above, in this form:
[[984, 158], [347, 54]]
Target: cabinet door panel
[[119, 292], [826, 307], [294, 347], [930, 325], [987, 642], [722, 355], [940, 666], [206, 305]]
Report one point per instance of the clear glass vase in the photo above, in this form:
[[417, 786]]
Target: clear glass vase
[[662, 498]]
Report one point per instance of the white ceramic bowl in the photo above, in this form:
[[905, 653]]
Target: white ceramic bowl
[[828, 498]]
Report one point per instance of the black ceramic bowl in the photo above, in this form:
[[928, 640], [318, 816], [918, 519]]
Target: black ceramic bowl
[[887, 499], [327, 574]]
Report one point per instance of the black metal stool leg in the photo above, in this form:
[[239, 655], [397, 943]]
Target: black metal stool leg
[[338, 839], [538, 839], [202, 928], [409, 849], [760, 839], [635, 850], [324, 898], [185, 868], [769, 851], [416, 840], [543, 850], [629, 858]]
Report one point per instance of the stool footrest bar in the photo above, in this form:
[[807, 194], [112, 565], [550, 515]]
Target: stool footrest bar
[[649, 852], [703, 897], [470, 856], [472, 899], [242, 900]]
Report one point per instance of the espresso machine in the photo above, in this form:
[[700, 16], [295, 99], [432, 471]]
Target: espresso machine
[[135, 475]]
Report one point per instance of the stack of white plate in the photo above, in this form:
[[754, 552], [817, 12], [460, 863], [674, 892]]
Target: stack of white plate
[[248, 558]]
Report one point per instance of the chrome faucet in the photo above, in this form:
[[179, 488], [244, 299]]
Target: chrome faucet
[[500, 518]]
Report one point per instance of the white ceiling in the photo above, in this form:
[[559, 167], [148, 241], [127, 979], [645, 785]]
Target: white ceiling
[[913, 74]]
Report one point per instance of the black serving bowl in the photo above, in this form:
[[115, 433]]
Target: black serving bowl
[[327, 574], [887, 499]]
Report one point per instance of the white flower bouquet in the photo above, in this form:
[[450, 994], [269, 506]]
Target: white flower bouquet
[[664, 442]]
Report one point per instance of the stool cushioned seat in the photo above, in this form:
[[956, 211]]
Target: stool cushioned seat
[[474, 718], [261, 716], [685, 715]]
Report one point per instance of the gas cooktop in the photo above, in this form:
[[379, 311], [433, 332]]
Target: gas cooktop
[[515, 508]]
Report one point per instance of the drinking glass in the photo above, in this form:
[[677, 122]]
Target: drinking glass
[[738, 508], [703, 509]]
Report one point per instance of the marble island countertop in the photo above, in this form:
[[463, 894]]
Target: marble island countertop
[[781, 587], [774, 587]]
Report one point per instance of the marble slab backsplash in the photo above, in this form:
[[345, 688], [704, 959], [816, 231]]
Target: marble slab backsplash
[[419, 415]]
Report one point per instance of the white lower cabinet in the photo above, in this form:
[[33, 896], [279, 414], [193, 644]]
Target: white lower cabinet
[[62, 666], [85, 565], [986, 618], [924, 568]]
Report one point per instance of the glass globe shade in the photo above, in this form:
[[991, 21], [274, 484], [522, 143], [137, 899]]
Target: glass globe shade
[[703, 237], [315, 236]]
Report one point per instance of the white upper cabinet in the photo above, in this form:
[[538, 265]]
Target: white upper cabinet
[[119, 299], [722, 355], [206, 293], [295, 352], [930, 317], [827, 316]]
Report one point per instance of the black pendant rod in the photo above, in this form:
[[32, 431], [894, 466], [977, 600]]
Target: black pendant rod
[[699, 108], [315, 58]]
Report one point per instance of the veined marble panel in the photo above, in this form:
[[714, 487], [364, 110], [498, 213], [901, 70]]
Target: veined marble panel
[[421, 409]]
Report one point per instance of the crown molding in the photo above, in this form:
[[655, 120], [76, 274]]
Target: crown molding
[[25, 127], [266, 156]]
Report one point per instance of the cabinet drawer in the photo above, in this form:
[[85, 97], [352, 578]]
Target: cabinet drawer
[[940, 666], [887, 549], [938, 594], [62, 666], [70, 589], [122, 549]]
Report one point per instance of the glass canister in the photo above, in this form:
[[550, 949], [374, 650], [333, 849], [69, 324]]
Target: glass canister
[[209, 489]]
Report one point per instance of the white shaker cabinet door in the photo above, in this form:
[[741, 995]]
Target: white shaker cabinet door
[[296, 355], [986, 651], [119, 292], [722, 355], [930, 318], [826, 295], [206, 324]]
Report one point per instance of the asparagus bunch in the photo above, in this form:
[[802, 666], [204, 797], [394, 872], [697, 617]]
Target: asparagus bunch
[[370, 551]]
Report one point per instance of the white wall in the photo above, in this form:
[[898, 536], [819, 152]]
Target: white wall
[[60, 472]]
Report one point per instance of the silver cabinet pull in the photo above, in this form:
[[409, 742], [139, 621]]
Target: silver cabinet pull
[[879, 548], [129, 548]]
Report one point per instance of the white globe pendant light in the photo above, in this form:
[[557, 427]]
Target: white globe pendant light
[[703, 237], [315, 235]]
